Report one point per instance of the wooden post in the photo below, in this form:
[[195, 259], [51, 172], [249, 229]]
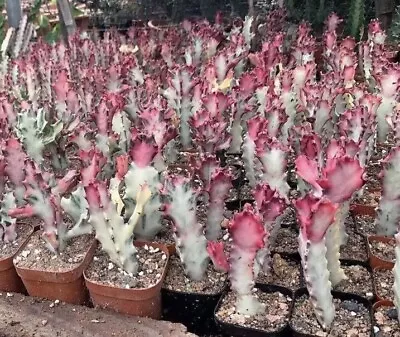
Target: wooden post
[[14, 13], [67, 21]]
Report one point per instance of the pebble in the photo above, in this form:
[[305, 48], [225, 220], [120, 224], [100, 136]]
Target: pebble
[[164, 257], [9, 295], [56, 301], [96, 258], [225, 237], [392, 313], [44, 322], [146, 247], [51, 305], [376, 329], [141, 273], [350, 306], [25, 253], [110, 266]]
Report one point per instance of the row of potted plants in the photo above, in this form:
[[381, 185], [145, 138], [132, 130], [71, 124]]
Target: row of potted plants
[[173, 158]]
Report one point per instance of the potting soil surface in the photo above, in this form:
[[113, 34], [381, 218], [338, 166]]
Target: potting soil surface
[[176, 280], [355, 248], [273, 318], [36, 255], [10, 248], [384, 281], [387, 324], [352, 319], [284, 272], [383, 250], [151, 261], [365, 224], [359, 281]]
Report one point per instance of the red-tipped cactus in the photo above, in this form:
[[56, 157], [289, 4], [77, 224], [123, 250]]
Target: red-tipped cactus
[[247, 234]]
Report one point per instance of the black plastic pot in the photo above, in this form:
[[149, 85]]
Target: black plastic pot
[[195, 311], [228, 329], [336, 294]]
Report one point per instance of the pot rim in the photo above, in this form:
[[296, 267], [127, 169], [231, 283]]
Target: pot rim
[[93, 285]]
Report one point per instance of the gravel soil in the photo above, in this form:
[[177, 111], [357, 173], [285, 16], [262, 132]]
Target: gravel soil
[[359, 281], [383, 250], [176, 280], [286, 241], [365, 224], [352, 319], [275, 317], [8, 249], [355, 249], [152, 262], [384, 281], [386, 323], [36, 256], [285, 272]]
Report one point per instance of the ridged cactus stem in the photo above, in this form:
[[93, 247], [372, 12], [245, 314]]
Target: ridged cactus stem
[[336, 273], [315, 267]]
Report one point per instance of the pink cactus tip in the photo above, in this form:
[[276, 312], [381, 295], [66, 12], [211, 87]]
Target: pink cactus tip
[[315, 216], [341, 179], [247, 230], [143, 151], [217, 255], [122, 163]]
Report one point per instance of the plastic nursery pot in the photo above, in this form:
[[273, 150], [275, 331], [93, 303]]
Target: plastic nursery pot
[[376, 261], [359, 209], [366, 265], [194, 310], [9, 279], [66, 286], [339, 295], [379, 297], [382, 303], [143, 302], [230, 329]]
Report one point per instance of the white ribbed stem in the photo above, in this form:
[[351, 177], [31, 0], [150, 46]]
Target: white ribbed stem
[[336, 273], [315, 267]]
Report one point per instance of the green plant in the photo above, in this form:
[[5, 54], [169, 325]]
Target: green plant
[[394, 32], [356, 19]]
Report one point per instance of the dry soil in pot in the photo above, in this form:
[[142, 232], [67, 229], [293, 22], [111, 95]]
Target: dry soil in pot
[[286, 241], [383, 250], [386, 322], [369, 198], [285, 272], [359, 281], [275, 317], [355, 249], [151, 267], [176, 280], [10, 248], [365, 224], [36, 256], [352, 319], [384, 281], [166, 235]]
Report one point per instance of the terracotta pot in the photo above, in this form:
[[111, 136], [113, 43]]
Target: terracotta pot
[[382, 303], [375, 261], [378, 297], [9, 279], [135, 302], [358, 209], [66, 286]]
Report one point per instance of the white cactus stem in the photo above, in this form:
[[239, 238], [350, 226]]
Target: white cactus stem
[[332, 237], [315, 268]]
